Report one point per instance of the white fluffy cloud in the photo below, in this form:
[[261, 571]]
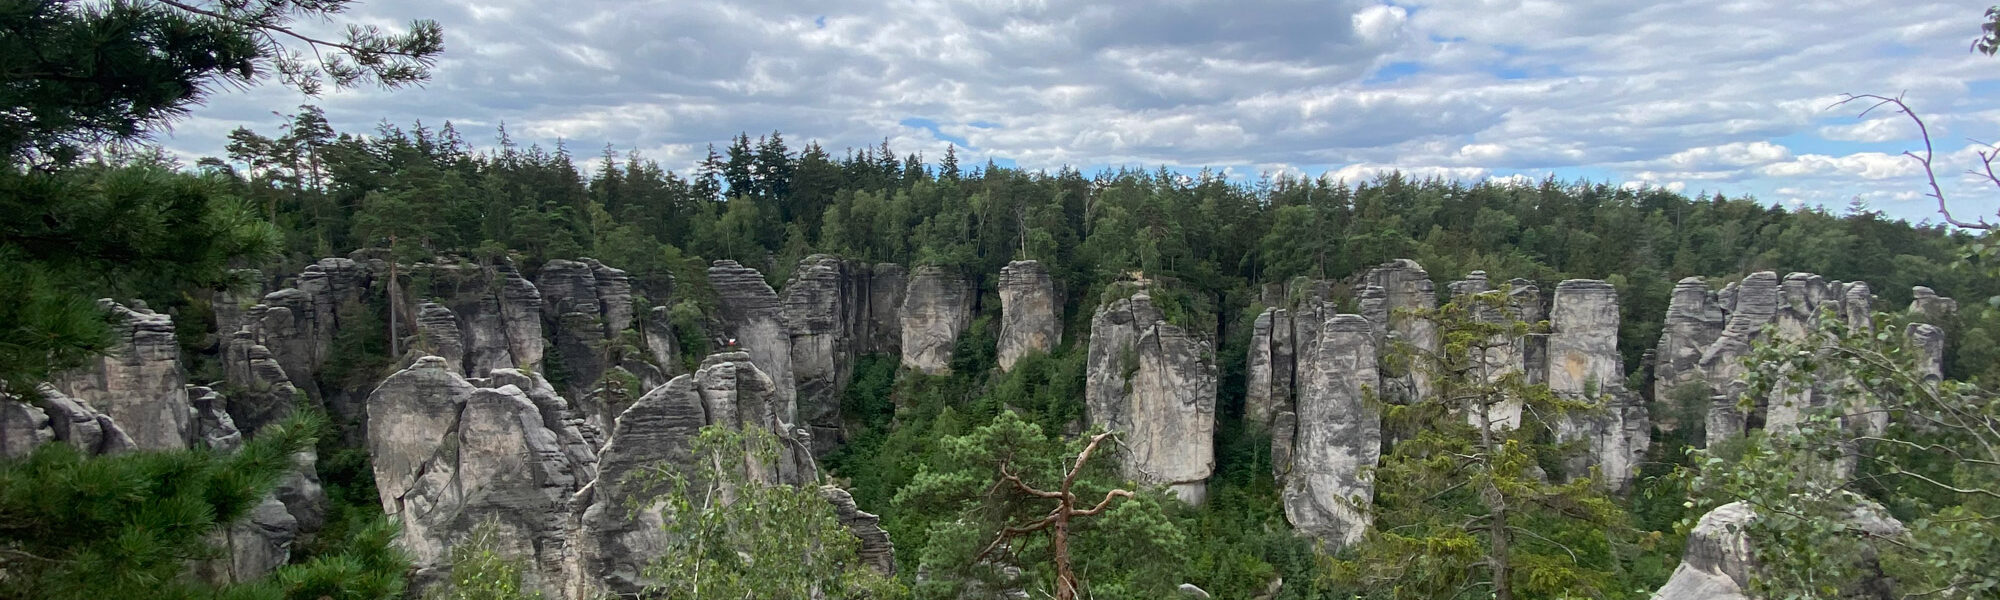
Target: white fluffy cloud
[[1733, 96]]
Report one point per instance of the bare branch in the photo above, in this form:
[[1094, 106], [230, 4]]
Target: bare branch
[[1928, 156]]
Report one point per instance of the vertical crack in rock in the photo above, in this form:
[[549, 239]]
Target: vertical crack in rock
[[1328, 486], [1155, 383], [1584, 364]]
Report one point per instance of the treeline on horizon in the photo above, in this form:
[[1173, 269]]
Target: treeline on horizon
[[425, 192]]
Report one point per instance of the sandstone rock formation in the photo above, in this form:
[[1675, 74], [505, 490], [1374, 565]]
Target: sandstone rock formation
[[876, 551], [585, 306], [449, 456], [1155, 383], [138, 382], [1030, 313], [829, 312], [1584, 364], [752, 317], [936, 309], [1693, 323], [1405, 286], [1337, 441], [1719, 561]]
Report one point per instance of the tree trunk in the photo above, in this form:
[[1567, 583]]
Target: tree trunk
[[1496, 505], [1059, 542], [395, 345]]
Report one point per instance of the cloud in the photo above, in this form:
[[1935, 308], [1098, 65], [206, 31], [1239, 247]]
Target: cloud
[[1729, 94]]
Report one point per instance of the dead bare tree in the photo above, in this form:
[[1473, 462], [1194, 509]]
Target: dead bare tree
[[1928, 158], [1057, 521]]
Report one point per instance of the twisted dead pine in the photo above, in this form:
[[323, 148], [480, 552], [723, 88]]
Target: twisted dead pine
[[1057, 521]]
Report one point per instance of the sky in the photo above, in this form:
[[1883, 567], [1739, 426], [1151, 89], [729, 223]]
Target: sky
[[1731, 97]]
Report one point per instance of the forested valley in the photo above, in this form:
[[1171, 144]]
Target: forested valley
[[423, 362]]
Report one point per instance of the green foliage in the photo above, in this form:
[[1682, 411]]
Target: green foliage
[[733, 534], [106, 230], [1462, 500], [480, 571], [1128, 551], [124, 525], [1931, 464]]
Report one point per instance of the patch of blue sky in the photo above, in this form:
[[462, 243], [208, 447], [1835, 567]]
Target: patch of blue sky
[[932, 127]]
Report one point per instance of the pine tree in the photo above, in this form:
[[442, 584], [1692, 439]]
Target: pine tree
[[78, 527], [1462, 502]]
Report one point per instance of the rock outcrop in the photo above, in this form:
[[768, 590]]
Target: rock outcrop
[[498, 313], [585, 306], [1584, 364], [1030, 312], [876, 551], [1719, 561], [449, 456], [1338, 437], [1155, 383], [1750, 305], [1694, 321], [936, 309], [138, 382], [752, 321], [829, 311], [1405, 286]]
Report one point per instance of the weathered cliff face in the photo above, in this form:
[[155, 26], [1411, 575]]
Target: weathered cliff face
[[752, 318], [936, 309], [585, 306], [61, 419], [1405, 287], [138, 382], [449, 456], [1030, 312], [876, 551], [1750, 305], [620, 529], [1584, 364], [1694, 321], [824, 310], [1509, 356], [498, 315], [1155, 383], [1337, 435]]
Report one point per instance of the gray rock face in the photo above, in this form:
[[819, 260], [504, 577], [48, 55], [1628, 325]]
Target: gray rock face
[[23, 426], [265, 394], [1694, 320], [1155, 383], [82, 427], [936, 309], [1030, 313], [1750, 304], [664, 346], [1584, 364], [498, 314], [824, 312], [620, 523], [752, 316], [616, 540], [449, 456], [438, 334], [138, 382], [1925, 301], [876, 551], [1405, 287], [1929, 341], [585, 306], [1260, 399], [888, 284], [1338, 439]]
